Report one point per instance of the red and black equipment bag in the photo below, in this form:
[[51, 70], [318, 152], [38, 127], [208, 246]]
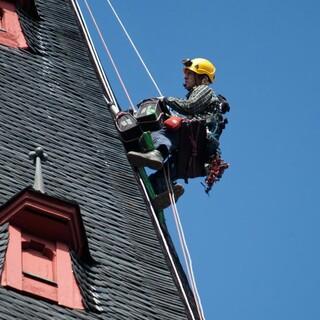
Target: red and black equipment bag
[[191, 155]]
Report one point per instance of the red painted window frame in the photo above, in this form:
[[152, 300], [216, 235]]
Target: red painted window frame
[[53, 227], [11, 34], [63, 289]]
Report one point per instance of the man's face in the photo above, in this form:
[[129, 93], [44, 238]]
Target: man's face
[[189, 79]]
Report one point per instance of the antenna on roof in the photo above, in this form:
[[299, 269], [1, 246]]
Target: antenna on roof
[[37, 156]]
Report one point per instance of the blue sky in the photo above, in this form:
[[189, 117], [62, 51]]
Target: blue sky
[[255, 241]]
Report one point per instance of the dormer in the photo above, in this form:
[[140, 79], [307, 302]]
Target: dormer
[[43, 230], [11, 34]]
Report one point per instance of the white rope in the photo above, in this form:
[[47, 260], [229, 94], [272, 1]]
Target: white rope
[[134, 47], [109, 96], [109, 54], [174, 209], [164, 241], [183, 244]]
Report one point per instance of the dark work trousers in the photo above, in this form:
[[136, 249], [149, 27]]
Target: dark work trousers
[[166, 142]]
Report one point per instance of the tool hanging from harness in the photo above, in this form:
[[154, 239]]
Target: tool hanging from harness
[[215, 169]]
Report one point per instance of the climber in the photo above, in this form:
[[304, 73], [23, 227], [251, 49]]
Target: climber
[[199, 103]]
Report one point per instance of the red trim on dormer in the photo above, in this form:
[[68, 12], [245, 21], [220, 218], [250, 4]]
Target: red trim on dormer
[[47, 217], [11, 34], [69, 294], [40, 268], [13, 259], [42, 231]]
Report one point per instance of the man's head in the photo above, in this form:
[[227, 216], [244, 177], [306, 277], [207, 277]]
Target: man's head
[[198, 71]]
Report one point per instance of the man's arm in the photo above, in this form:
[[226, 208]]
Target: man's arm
[[198, 101]]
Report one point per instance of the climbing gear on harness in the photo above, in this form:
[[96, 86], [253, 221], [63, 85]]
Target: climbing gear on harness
[[152, 159], [162, 200], [173, 123], [215, 170], [200, 66]]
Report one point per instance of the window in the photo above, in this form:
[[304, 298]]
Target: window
[[41, 268], [11, 34], [38, 266], [38, 260]]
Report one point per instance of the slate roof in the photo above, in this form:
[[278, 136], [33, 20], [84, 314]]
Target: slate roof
[[50, 96]]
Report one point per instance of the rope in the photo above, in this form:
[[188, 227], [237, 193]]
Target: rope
[[134, 47], [109, 96], [110, 56], [155, 217], [183, 243]]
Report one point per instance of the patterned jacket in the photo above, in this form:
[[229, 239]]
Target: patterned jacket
[[200, 103]]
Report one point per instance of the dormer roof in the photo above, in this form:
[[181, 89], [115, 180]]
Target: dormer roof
[[47, 217]]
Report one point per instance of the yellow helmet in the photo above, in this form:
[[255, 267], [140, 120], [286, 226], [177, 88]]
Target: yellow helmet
[[200, 66]]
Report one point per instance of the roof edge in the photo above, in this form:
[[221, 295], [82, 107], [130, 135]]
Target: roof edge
[[176, 269]]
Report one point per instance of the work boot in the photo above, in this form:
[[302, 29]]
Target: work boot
[[162, 200], [152, 159]]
